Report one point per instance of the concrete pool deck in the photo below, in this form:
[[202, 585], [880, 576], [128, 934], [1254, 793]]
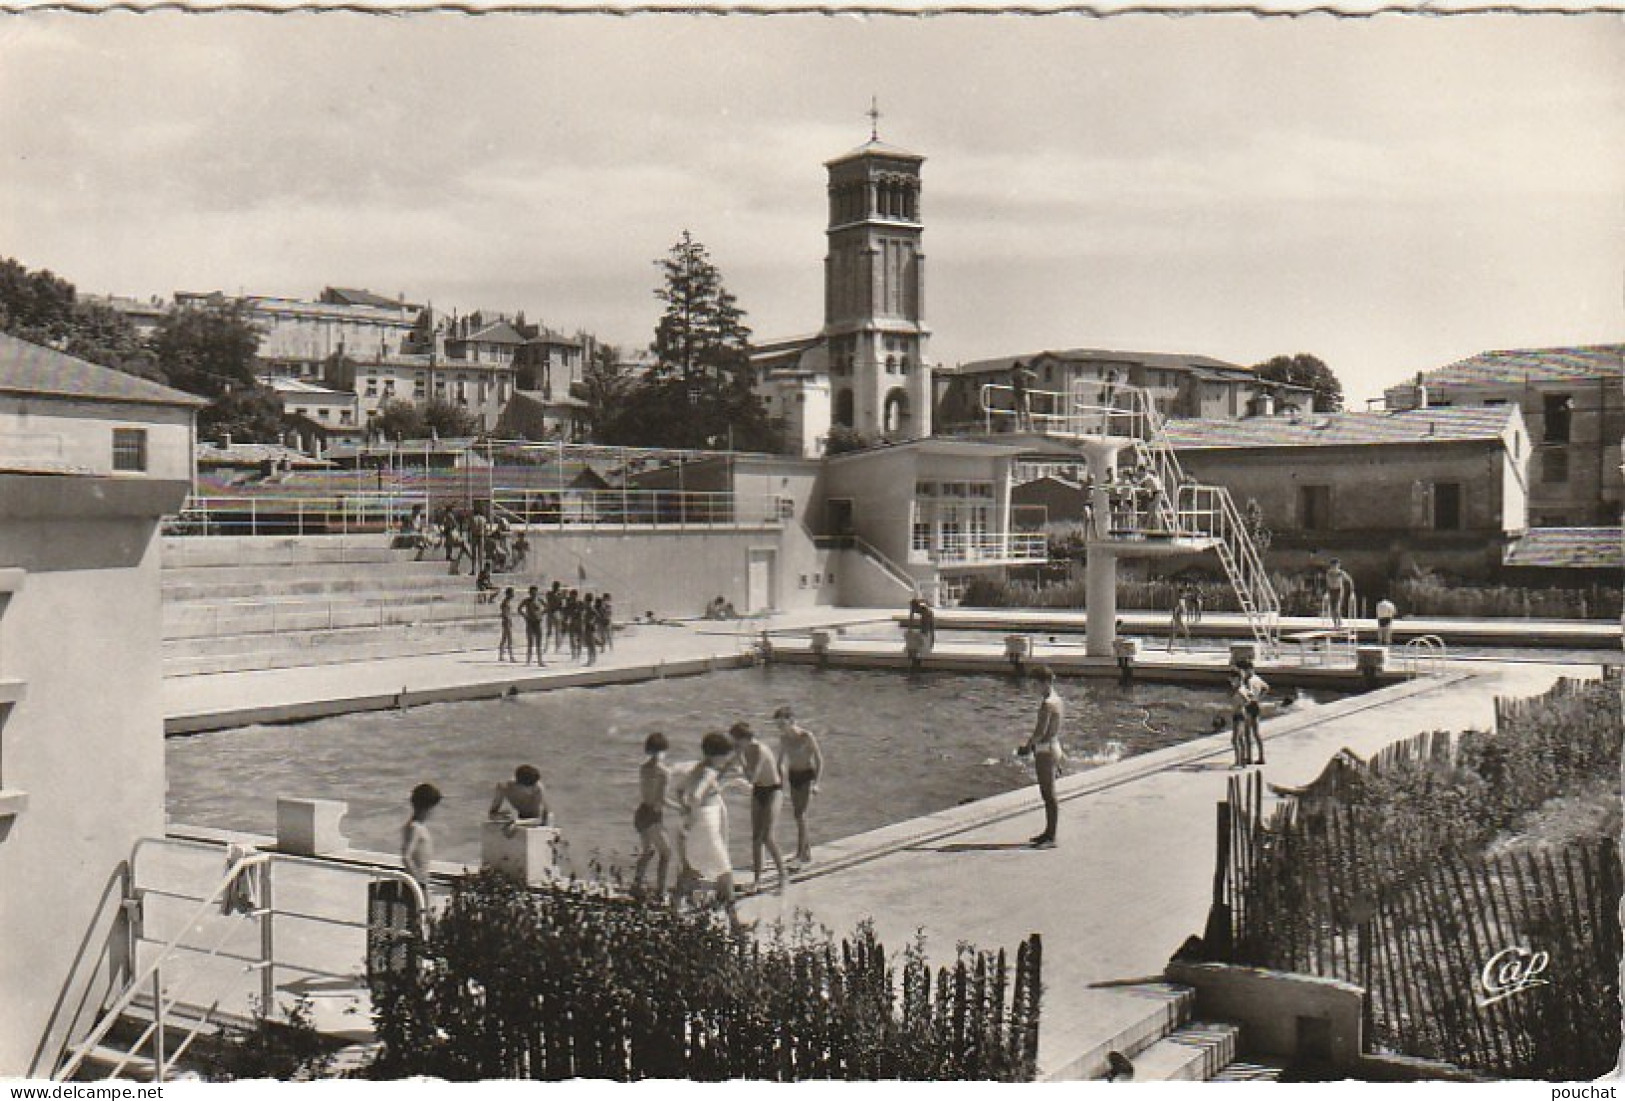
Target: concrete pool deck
[[218, 701], [1131, 878]]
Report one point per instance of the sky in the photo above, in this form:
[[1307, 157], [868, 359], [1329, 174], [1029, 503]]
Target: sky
[[1389, 194]]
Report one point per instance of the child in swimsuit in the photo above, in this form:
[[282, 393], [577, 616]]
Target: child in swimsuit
[[762, 770], [803, 764], [649, 820]]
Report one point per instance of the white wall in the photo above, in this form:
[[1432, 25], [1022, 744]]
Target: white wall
[[85, 744], [80, 433]]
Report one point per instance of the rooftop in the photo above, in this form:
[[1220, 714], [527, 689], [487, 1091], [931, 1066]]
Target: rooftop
[[875, 148], [1454, 424], [284, 385], [1204, 366], [349, 296], [1522, 366], [497, 332], [27, 368], [1568, 548], [253, 454]]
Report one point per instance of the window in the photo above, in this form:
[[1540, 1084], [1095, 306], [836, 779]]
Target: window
[[1554, 465], [1559, 410], [1315, 508], [1447, 506], [921, 538], [130, 449]]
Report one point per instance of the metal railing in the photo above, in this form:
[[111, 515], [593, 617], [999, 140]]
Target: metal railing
[[156, 1031], [635, 508], [200, 1012], [972, 548], [1423, 656], [275, 514], [1062, 413]]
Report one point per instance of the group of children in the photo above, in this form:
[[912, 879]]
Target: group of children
[[699, 843], [701, 840], [583, 621]]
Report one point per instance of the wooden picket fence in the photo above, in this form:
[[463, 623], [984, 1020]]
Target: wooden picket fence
[[1326, 888], [559, 984]]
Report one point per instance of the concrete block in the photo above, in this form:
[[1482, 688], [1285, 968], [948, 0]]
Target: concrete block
[[1371, 659], [820, 642], [1285, 1015], [528, 854], [1018, 647], [915, 643], [310, 827], [1126, 648], [1243, 651]]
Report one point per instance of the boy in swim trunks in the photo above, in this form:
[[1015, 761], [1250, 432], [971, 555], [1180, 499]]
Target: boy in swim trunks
[[803, 764], [649, 820], [522, 800], [1048, 753], [762, 770]]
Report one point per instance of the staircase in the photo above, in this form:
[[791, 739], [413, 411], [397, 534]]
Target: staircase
[[1168, 1045], [234, 604], [1189, 510]]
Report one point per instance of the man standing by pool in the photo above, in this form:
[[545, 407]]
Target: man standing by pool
[[1049, 755], [1339, 591], [803, 764], [530, 609], [762, 770]]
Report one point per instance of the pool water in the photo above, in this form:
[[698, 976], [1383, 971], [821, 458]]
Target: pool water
[[896, 746]]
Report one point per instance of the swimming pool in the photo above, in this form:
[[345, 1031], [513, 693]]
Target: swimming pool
[[896, 747]]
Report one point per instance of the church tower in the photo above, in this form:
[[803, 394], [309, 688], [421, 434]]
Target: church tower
[[874, 293]]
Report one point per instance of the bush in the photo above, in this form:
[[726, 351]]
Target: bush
[[287, 1050], [569, 981], [1429, 595]]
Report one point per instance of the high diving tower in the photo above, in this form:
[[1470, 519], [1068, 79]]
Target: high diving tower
[[1160, 515]]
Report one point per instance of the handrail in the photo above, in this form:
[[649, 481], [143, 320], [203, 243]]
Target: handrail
[[1422, 651], [111, 1016], [879, 556]]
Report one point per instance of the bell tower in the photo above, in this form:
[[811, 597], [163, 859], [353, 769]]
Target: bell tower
[[874, 293]]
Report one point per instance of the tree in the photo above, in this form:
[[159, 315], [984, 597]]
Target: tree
[[698, 393], [208, 350], [1309, 371], [405, 420], [703, 332], [605, 387], [248, 414], [44, 308]]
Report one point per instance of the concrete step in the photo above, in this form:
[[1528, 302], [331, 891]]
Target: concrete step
[[1194, 1053], [1163, 1008], [199, 551], [187, 656], [226, 618], [264, 584], [1245, 1070], [105, 1061]]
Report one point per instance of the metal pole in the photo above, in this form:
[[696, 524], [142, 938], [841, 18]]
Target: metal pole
[[267, 943], [158, 1015]]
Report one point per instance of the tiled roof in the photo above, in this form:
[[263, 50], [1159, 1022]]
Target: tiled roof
[[1343, 429], [252, 454], [498, 332], [1568, 548], [875, 148], [350, 296], [27, 368], [284, 385], [1531, 365], [1168, 361]]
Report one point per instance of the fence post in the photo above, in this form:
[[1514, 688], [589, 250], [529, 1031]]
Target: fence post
[[267, 943]]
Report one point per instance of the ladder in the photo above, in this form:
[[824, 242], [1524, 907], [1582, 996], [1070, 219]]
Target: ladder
[[1199, 511]]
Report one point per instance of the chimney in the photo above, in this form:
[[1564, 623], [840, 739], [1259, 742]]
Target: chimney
[[1266, 403], [1420, 393], [225, 439]]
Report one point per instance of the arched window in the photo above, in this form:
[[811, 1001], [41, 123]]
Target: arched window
[[844, 414], [896, 417], [891, 365]]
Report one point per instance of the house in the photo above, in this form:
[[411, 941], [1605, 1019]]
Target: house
[[1180, 385], [60, 414], [548, 363], [540, 415], [1445, 489], [234, 463], [1573, 400], [90, 460], [315, 403]]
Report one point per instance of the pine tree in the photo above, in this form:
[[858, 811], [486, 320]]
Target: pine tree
[[702, 335]]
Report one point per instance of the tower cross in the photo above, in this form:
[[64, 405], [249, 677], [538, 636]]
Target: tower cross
[[874, 118]]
